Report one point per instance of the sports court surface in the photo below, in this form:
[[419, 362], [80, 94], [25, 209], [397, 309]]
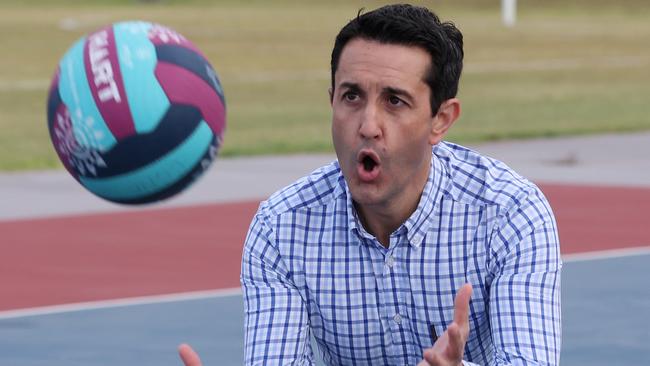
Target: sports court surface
[[85, 282]]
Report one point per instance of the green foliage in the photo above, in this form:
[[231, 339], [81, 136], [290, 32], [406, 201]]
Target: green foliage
[[566, 68]]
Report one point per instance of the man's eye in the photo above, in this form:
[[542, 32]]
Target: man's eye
[[395, 101], [350, 97]]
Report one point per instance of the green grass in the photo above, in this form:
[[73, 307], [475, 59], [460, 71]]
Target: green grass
[[566, 68]]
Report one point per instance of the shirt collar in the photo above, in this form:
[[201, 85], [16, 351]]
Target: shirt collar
[[354, 223], [418, 224], [342, 190]]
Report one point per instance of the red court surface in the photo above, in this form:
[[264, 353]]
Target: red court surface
[[592, 218], [107, 256]]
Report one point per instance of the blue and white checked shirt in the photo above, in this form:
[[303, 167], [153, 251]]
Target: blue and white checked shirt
[[309, 267]]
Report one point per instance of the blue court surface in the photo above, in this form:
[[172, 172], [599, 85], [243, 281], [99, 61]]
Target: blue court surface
[[605, 301]]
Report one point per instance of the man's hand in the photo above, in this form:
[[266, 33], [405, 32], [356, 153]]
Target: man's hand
[[189, 357], [448, 349]]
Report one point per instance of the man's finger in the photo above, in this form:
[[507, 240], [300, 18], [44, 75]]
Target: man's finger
[[189, 357], [431, 358], [456, 343], [461, 306]]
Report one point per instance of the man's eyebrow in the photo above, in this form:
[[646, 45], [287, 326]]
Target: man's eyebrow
[[350, 85], [398, 91]]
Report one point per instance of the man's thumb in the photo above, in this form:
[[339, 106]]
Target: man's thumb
[[189, 357]]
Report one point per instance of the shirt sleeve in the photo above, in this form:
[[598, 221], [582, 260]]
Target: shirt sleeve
[[524, 302], [276, 324]]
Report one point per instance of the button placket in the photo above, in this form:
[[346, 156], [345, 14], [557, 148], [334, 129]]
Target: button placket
[[390, 261]]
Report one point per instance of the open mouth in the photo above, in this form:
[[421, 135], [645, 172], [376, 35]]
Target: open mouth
[[368, 165]]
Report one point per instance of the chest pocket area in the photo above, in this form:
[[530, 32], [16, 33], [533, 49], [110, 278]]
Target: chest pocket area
[[343, 313]]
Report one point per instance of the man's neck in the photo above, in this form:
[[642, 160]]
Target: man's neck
[[381, 223], [383, 219]]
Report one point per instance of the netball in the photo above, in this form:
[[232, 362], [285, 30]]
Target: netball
[[136, 113]]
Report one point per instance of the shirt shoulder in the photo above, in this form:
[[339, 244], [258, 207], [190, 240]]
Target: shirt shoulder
[[319, 188], [476, 179]]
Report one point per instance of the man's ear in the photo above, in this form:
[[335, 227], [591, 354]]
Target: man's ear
[[331, 93], [448, 113]]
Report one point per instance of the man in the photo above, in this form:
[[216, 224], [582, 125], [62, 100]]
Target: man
[[374, 254]]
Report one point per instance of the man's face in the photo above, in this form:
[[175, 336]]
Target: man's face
[[382, 125]]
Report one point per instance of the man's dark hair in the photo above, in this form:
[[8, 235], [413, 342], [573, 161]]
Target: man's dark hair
[[409, 25]]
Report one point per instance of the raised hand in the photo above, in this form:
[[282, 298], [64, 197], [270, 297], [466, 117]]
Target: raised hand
[[448, 349]]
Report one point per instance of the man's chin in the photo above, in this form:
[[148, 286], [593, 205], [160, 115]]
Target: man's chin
[[365, 194]]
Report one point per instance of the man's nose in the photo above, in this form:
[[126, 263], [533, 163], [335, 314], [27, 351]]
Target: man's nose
[[370, 127]]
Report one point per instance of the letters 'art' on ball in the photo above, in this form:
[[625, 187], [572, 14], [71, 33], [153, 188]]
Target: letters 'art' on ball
[[136, 113]]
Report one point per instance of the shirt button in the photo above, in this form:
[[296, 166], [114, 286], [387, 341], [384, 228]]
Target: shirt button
[[397, 319], [390, 261]]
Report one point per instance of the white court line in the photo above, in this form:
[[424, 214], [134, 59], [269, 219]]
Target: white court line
[[201, 295], [606, 254], [132, 301]]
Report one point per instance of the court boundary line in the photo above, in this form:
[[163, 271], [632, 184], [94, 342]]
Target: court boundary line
[[233, 291], [607, 254], [117, 303]]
